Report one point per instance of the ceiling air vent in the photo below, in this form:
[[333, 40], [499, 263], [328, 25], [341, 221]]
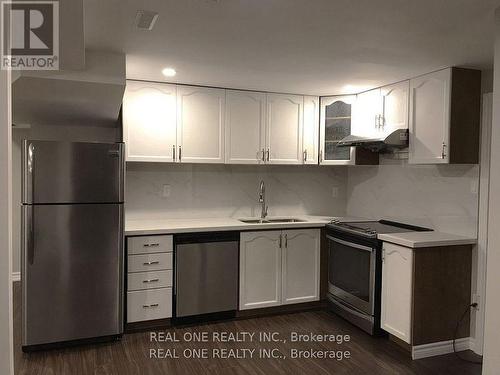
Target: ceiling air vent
[[145, 19]]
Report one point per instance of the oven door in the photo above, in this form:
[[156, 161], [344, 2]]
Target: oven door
[[351, 273]]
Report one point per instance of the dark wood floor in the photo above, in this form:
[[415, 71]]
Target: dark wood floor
[[130, 356]]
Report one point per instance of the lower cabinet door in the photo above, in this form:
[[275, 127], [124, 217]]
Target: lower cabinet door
[[300, 265], [260, 269], [151, 304], [397, 291]]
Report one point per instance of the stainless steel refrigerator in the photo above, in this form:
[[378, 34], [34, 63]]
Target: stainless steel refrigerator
[[72, 242]]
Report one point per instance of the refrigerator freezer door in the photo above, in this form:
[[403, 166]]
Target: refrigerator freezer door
[[72, 172], [72, 272]]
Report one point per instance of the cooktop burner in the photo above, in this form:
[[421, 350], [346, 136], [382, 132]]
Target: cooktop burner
[[372, 228]]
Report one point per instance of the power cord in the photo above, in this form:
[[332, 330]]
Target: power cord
[[456, 333]]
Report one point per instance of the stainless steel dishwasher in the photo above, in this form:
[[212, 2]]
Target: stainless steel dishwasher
[[206, 275]]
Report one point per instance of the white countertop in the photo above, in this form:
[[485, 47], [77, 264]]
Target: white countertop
[[426, 239], [139, 227], [170, 226]]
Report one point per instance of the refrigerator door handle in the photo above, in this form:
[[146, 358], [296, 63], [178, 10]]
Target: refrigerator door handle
[[28, 234], [28, 170]]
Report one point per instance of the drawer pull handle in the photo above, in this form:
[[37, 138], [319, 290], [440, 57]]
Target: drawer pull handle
[[151, 281], [151, 263], [150, 306], [151, 245]]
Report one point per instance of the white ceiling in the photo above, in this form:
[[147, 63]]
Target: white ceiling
[[299, 46]]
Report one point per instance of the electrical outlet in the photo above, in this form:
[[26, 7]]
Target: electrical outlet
[[165, 191], [474, 187], [476, 299], [335, 192]]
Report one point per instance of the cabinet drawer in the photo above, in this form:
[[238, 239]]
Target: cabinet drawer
[[150, 262], [149, 305], [150, 244], [149, 280]]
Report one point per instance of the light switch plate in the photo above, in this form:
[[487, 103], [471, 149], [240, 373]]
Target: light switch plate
[[165, 191], [335, 192]]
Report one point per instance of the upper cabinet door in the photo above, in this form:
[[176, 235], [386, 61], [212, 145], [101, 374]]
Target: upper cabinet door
[[149, 121], [311, 130], [395, 100], [284, 129], [367, 114], [336, 124], [430, 118], [200, 124], [245, 127]]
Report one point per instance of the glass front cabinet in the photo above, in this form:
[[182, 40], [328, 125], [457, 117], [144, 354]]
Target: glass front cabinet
[[336, 113]]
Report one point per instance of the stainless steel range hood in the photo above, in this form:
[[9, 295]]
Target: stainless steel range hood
[[396, 139]]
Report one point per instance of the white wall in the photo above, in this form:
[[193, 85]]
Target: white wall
[[6, 358], [439, 197], [67, 133], [491, 363], [232, 191]]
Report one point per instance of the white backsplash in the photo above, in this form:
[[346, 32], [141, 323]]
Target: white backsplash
[[232, 191], [439, 196]]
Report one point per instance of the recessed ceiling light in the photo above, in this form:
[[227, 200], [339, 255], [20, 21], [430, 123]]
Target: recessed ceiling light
[[169, 72]]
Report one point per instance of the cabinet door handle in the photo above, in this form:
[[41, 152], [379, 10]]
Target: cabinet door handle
[[173, 152], [281, 241], [150, 281], [443, 151], [263, 155], [151, 245], [151, 263], [305, 155], [180, 153], [150, 306], [286, 241], [268, 154]]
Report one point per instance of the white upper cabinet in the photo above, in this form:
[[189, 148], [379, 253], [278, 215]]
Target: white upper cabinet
[[200, 124], [245, 127], [149, 121], [311, 130], [284, 129], [300, 269], [260, 269], [430, 118], [367, 114], [395, 102], [397, 291], [336, 124]]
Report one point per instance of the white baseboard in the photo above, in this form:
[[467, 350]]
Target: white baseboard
[[440, 348], [16, 276]]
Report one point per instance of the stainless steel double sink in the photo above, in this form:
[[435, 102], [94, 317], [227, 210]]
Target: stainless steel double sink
[[272, 221]]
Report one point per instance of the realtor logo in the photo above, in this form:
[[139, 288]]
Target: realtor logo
[[30, 35]]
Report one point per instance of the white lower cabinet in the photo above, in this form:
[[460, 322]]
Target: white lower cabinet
[[149, 278], [149, 305], [260, 269], [300, 266], [397, 288], [279, 267]]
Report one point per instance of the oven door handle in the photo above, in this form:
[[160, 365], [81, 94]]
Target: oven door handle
[[350, 244]]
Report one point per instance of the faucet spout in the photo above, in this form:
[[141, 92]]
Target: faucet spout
[[262, 200]]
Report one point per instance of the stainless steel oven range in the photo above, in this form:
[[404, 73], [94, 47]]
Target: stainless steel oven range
[[355, 269]]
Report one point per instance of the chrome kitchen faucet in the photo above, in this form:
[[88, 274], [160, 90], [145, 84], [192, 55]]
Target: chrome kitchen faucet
[[262, 200]]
